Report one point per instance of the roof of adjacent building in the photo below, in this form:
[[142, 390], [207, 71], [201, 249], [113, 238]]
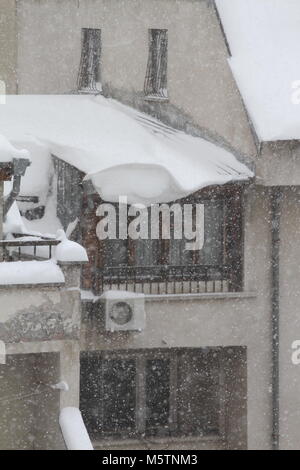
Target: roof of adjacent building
[[264, 37]]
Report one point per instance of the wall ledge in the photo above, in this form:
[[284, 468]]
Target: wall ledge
[[186, 297], [53, 285], [203, 296], [71, 263]]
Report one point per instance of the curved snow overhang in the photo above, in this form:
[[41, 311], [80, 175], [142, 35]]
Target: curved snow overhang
[[148, 184], [123, 151]]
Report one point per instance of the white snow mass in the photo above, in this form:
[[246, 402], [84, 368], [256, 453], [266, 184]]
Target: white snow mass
[[123, 152], [264, 37]]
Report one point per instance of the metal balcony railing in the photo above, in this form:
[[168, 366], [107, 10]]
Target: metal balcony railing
[[166, 279], [24, 250]]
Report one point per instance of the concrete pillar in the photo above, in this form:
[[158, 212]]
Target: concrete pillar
[[70, 373]]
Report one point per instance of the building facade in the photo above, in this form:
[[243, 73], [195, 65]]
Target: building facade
[[114, 48]]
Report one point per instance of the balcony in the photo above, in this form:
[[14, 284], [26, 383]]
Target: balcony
[[40, 285]]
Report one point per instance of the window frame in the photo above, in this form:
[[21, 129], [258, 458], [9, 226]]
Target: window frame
[[174, 355], [90, 59], [156, 82]]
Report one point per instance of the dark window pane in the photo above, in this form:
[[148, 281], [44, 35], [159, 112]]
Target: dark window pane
[[198, 394], [157, 394], [88, 77], [115, 252], [156, 75], [90, 404], [178, 255], [146, 252], [212, 252], [118, 395]]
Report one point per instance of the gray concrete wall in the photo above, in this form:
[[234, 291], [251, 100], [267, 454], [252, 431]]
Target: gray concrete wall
[[289, 319], [68, 366], [36, 313], [8, 45], [28, 406], [279, 164], [200, 84]]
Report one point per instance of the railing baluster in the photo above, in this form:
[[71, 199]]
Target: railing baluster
[[166, 280]]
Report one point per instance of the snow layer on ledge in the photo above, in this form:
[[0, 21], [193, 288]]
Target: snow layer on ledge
[[264, 37], [88, 295], [123, 151], [120, 294], [69, 251], [30, 272], [8, 151], [73, 429]]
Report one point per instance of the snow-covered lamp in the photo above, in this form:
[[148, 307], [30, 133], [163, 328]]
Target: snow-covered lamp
[[2, 353]]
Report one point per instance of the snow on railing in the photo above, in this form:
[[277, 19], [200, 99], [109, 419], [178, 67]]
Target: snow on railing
[[27, 249], [73, 429]]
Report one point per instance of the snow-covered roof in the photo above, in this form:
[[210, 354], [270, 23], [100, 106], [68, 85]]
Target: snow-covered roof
[[264, 37], [124, 151]]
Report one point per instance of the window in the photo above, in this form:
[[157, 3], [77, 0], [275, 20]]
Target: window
[[168, 260], [153, 393], [151, 252], [156, 76], [89, 70]]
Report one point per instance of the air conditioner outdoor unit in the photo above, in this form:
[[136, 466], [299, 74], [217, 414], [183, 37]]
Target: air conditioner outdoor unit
[[124, 311]]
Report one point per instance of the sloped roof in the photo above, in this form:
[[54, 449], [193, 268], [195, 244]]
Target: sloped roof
[[123, 151], [264, 37]]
